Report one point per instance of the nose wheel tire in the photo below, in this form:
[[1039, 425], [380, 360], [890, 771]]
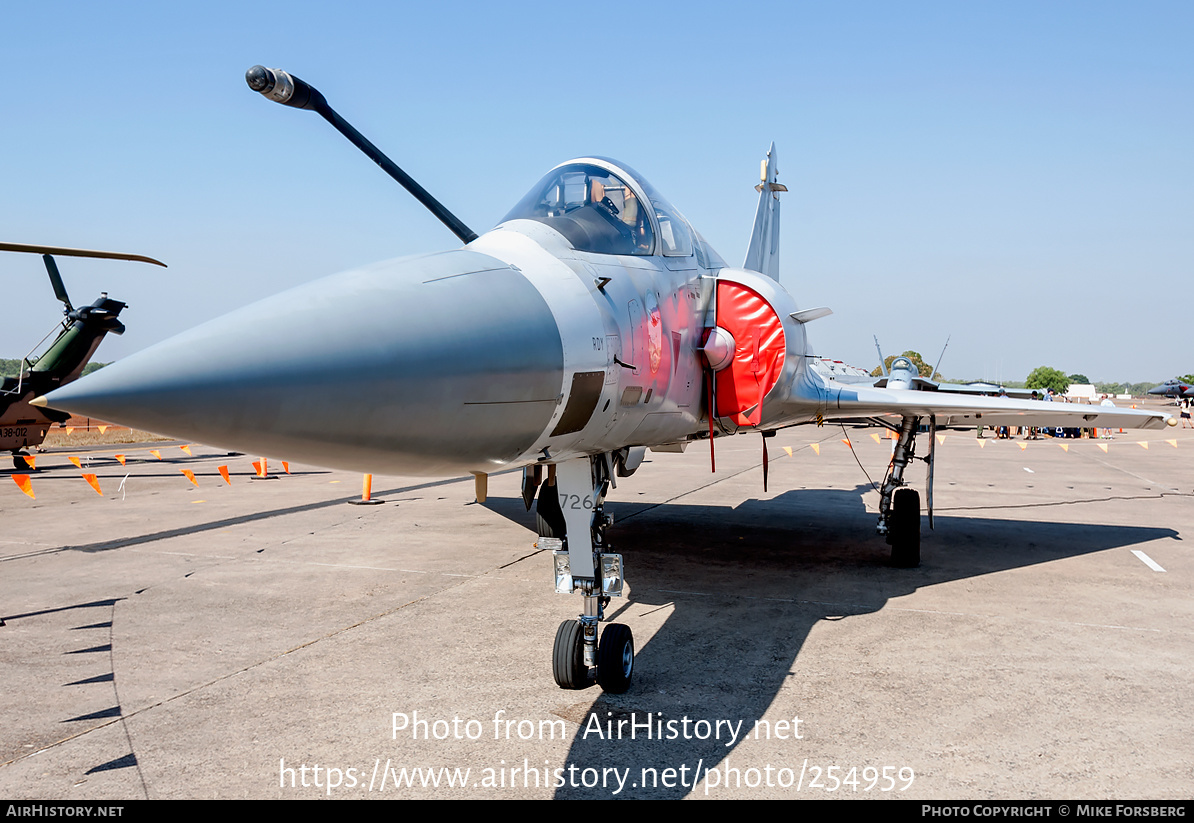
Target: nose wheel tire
[[904, 529], [549, 517], [568, 657], [615, 658]]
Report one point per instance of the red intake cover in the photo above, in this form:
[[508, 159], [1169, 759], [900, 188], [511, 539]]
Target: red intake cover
[[758, 353]]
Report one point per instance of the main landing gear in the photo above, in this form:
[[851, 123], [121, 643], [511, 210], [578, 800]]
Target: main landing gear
[[899, 508], [572, 524]]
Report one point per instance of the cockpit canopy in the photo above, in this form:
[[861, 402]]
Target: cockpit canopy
[[602, 208], [903, 364]]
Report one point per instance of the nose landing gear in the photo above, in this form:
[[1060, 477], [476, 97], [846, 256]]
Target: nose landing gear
[[577, 491]]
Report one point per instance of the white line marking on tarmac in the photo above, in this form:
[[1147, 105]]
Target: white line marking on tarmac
[[1030, 471], [1146, 560]]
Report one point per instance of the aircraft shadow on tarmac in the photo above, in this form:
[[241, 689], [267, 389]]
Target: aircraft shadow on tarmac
[[786, 563]]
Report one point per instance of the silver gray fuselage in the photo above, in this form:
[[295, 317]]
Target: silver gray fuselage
[[512, 350]]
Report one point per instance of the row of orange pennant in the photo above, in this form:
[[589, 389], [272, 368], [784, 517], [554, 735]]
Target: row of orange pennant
[[71, 429], [31, 459], [1066, 446], [982, 442], [25, 484]]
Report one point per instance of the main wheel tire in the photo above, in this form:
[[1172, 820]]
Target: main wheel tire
[[903, 528], [568, 657], [549, 517], [615, 658]]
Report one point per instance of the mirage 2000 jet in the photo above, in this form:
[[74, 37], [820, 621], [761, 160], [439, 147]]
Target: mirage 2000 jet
[[591, 323]]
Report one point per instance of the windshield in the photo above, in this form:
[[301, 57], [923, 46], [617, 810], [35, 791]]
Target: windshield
[[592, 207]]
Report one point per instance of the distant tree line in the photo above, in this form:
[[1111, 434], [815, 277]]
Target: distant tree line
[[12, 368]]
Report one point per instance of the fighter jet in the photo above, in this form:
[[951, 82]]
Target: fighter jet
[[23, 426], [1173, 388], [591, 323]]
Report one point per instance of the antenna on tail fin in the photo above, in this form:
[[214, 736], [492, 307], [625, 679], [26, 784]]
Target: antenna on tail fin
[[762, 255]]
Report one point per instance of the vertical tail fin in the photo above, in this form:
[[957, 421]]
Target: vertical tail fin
[[762, 255]]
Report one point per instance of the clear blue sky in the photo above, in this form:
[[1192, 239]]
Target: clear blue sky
[[1018, 175]]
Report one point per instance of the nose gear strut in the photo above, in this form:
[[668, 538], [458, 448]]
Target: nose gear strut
[[581, 655]]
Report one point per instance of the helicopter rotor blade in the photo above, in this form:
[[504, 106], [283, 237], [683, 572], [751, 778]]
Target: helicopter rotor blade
[[56, 282]]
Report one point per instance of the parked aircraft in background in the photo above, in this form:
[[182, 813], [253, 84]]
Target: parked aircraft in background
[[23, 426], [591, 323], [1173, 388]]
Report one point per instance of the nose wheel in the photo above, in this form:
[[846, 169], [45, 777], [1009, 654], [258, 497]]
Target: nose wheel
[[615, 658], [568, 657]]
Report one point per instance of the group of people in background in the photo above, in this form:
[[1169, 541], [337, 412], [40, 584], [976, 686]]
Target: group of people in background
[[1035, 433]]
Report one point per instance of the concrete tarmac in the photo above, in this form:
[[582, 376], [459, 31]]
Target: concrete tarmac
[[265, 639]]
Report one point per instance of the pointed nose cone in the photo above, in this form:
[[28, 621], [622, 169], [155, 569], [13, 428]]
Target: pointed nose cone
[[426, 365]]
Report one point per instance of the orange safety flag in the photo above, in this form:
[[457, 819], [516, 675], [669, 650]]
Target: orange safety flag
[[849, 445], [941, 438], [69, 429], [75, 460], [1022, 446], [1102, 446], [257, 468], [788, 449], [285, 467], [119, 457], [156, 453], [982, 444], [31, 459], [876, 437], [102, 429], [22, 480], [816, 447], [1143, 443], [93, 481], [1170, 442], [1064, 446], [187, 449], [190, 475], [224, 474]]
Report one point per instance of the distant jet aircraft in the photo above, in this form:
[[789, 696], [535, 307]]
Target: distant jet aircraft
[[23, 426], [1173, 388], [591, 323]]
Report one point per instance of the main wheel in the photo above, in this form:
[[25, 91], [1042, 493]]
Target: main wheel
[[903, 529], [615, 658], [549, 517], [568, 657]]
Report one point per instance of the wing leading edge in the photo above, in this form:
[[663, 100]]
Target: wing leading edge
[[960, 410]]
